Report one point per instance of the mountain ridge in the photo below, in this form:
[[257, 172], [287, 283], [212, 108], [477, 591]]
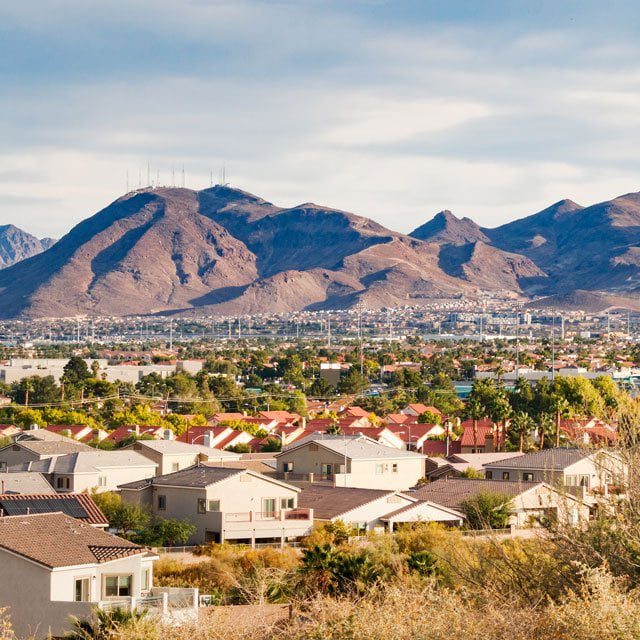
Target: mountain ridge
[[224, 250]]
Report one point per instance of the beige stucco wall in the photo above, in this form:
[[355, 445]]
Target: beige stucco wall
[[236, 496], [115, 476], [307, 461], [41, 601], [364, 473], [372, 512]]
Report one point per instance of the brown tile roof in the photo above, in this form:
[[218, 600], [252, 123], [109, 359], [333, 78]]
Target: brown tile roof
[[77, 505], [330, 502], [57, 540], [451, 492]]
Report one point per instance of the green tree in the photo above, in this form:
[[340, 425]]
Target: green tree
[[487, 510]]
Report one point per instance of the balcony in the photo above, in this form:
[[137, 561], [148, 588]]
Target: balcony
[[170, 604]]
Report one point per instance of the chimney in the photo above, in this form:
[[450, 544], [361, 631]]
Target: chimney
[[136, 430], [304, 422], [208, 439]]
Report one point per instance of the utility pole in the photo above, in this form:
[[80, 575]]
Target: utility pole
[[329, 332], [553, 346], [171, 334], [517, 344]]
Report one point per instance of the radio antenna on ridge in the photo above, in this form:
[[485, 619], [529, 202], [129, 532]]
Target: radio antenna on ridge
[[183, 175]]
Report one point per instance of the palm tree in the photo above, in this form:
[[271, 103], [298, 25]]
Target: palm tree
[[522, 424], [546, 424], [476, 412]]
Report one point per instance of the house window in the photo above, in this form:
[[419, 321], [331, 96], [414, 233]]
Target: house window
[[488, 475], [527, 476], [571, 481], [175, 467], [214, 505], [269, 507], [118, 586], [145, 579], [82, 591], [584, 481], [394, 467], [287, 467], [202, 505], [63, 483], [102, 481], [3, 466], [379, 469], [326, 469], [505, 475], [162, 503], [286, 503]]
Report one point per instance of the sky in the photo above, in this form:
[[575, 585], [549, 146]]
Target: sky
[[390, 109]]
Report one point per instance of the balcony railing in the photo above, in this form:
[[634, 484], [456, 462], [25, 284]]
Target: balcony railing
[[166, 602], [262, 516]]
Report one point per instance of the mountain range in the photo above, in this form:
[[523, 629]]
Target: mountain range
[[225, 251], [16, 245]]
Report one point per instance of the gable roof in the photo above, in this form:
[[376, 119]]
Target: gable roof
[[330, 502], [451, 492], [51, 447], [555, 459], [57, 540], [176, 447], [77, 505], [24, 482], [353, 447], [90, 461]]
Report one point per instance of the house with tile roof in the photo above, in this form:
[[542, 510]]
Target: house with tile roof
[[92, 470], [529, 501], [173, 455], [584, 472], [55, 566], [77, 505], [225, 504], [80, 432], [369, 509], [22, 452], [350, 461]]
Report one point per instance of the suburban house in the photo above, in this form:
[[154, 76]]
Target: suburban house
[[225, 504], [580, 471], [23, 452], [88, 470], [418, 409], [479, 437], [35, 433], [55, 566], [369, 509], [350, 461], [77, 505], [530, 500], [172, 455], [9, 430], [458, 464], [136, 431], [414, 435], [26, 482], [215, 437]]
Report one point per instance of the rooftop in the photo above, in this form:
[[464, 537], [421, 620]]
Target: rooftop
[[77, 505], [548, 459], [91, 461], [176, 447], [24, 482], [354, 447], [200, 476], [57, 540], [330, 502], [451, 492]]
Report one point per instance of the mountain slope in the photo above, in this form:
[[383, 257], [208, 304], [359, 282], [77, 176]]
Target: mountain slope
[[221, 250], [464, 252], [16, 245], [580, 248], [445, 228]]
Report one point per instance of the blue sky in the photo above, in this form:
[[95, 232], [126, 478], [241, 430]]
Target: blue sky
[[391, 109]]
